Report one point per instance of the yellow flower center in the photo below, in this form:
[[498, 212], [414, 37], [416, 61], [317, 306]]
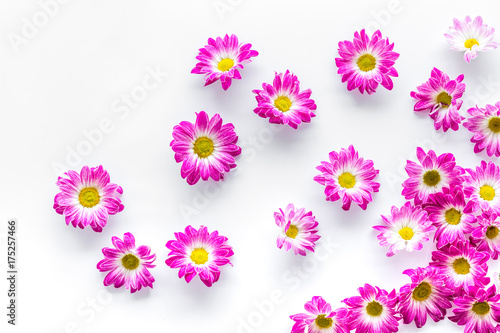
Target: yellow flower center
[[89, 197], [225, 64], [130, 261], [292, 231], [283, 103], [453, 216], [461, 266], [374, 308], [481, 308], [444, 99], [432, 178], [366, 62], [494, 124], [199, 256], [422, 292], [406, 233], [492, 232], [203, 147], [323, 322], [486, 192], [347, 180], [469, 43]]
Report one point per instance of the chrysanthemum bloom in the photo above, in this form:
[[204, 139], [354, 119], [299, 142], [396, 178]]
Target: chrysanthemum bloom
[[485, 124], [406, 228], [441, 96], [320, 318], [463, 265], [199, 252], [221, 59], [206, 148], [432, 175], [127, 264], [482, 187], [373, 311], [366, 62], [446, 211], [478, 310], [471, 37], [425, 295], [486, 235], [283, 102], [348, 177], [299, 229], [87, 198]]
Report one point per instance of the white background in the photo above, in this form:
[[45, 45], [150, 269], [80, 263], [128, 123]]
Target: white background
[[70, 75]]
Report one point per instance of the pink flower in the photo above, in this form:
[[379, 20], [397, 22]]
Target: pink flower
[[366, 62], [348, 177], [197, 252], [283, 102], [221, 59], [87, 198], [486, 235], [441, 96], [127, 264], [485, 124], [206, 148], [482, 187], [320, 318]]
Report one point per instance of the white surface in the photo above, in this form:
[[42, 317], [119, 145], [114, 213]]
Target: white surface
[[70, 76]]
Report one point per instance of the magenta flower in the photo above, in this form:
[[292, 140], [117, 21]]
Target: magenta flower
[[199, 252], [127, 264], [206, 148], [366, 62], [478, 310], [471, 37], [463, 265], [441, 96], [425, 295], [299, 229], [486, 235], [482, 187], [432, 175], [221, 59], [87, 198], [406, 228], [320, 318], [485, 124], [348, 177], [446, 211], [283, 102], [373, 311]]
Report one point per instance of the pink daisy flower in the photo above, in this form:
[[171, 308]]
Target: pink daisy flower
[[127, 264], [441, 96], [478, 310], [373, 311], [485, 124], [206, 148], [406, 228], [320, 318], [471, 37], [348, 177], [221, 59], [482, 187], [432, 175], [87, 198], [199, 252], [425, 295], [299, 229], [463, 265], [366, 62], [486, 236], [446, 211], [283, 102]]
